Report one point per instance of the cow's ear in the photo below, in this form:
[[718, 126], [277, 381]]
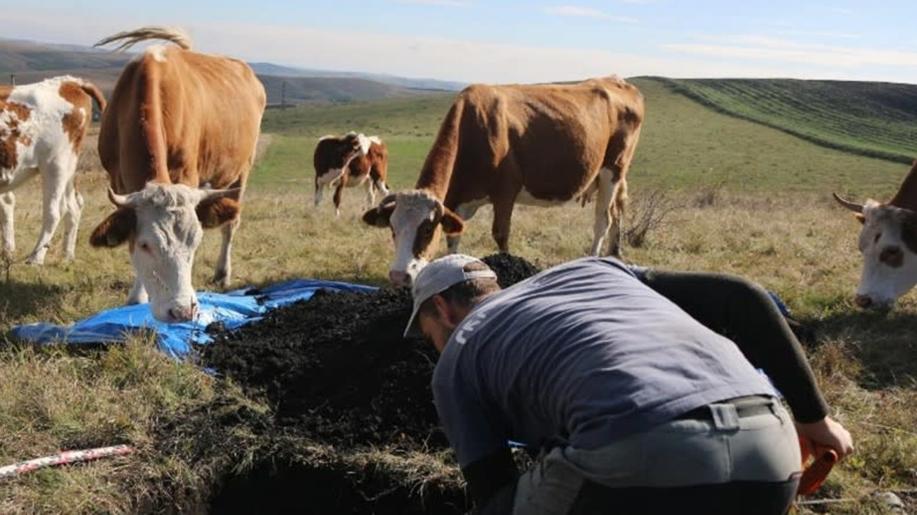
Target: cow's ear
[[452, 223], [217, 211], [380, 215], [116, 229]]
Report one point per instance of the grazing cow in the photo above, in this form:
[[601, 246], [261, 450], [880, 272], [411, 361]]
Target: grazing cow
[[888, 242], [365, 160], [541, 145], [179, 121], [42, 127]]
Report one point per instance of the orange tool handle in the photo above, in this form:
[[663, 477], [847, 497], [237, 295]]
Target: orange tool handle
[[816, 473]]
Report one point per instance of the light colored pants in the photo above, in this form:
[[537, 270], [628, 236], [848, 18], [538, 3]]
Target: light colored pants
[[679, 453]]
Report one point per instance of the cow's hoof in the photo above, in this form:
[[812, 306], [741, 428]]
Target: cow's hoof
[[35, 260], [221, 279]]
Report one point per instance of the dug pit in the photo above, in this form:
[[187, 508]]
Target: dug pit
[[352, 426]]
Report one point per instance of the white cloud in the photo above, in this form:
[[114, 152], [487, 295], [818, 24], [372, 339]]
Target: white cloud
[[787, 51], [442, 3], [465, 60], [586, 12], [822, 34]]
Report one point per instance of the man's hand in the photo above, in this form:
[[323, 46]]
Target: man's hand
[[827, 433]]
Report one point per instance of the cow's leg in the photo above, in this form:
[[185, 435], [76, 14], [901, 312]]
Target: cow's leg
[[73, 210], [7, 205], [628, 144], [604, 197], [138, 293], [319, 192], [466, 212], [223, 274], [382, 187], [371, 192], [503, 215], [55, 177], [617, 217], [337, 198]]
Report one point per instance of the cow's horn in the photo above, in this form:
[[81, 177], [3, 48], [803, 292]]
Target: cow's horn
[[208, 194], [389, 199], [118, 200], [853, 206]]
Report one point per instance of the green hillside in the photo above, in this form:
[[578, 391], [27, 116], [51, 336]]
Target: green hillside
[[327, 89], [683, 145], [33, 62], [870, 118]]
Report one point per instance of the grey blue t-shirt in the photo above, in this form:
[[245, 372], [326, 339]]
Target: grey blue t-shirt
[[580, 354]]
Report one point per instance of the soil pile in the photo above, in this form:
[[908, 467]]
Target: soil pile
[[339, 373], [510, 269]]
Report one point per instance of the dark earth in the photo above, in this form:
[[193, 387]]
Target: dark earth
[[337, 371]]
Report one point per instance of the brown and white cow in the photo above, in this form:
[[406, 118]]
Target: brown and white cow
[[178, 124], [533, 144], [888, 242], [348, 161], [42, 127]]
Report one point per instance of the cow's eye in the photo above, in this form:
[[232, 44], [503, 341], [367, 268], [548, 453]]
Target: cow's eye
[[144, 246]]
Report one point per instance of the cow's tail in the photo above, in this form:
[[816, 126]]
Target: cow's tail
[[94, 92], [132, 37], [437, 169]]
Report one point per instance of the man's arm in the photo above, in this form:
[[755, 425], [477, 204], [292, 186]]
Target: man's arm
[[745, 313], [477, 436], [492, 482]]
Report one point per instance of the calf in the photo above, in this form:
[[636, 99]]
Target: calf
[[888, 242], [42, 127], [349, 161]]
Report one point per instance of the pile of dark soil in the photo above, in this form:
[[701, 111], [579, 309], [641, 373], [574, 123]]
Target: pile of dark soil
[[338, 373]]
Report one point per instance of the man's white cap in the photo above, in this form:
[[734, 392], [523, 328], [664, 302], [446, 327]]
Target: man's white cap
[[438, 276]]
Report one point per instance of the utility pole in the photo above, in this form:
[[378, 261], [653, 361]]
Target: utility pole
[[13, 79], [283, 95]]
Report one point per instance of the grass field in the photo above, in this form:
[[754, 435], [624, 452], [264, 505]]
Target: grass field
[[745, 199], [873, 119]]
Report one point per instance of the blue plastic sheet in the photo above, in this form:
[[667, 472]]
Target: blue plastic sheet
[[232, 309]]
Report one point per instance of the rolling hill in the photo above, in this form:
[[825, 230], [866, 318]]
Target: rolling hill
[[684, 145], [406, 82], [875, 119], [31, 62]]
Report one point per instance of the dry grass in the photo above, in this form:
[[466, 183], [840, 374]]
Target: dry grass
[[50, 400], [801, 246], [761, 223]]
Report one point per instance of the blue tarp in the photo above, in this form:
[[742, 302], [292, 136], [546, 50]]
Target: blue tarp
[[232, 309]]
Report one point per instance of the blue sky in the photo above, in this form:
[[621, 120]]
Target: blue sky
[[515, 41]]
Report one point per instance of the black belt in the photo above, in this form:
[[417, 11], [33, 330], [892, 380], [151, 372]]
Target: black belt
[[745, 407]]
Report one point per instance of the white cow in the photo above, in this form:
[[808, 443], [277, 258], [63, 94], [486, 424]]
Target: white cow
[[888, 242], [42, 127]]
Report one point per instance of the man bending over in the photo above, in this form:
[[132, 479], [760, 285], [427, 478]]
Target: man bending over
[[620, 379]]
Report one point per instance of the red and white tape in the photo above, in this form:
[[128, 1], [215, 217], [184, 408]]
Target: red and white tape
[[64, 458]]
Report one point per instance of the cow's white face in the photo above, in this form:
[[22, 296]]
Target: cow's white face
[[164, 231], [415, 218], [888, 242]]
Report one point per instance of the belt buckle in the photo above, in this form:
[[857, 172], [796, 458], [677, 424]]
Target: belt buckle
[[725, 416]]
